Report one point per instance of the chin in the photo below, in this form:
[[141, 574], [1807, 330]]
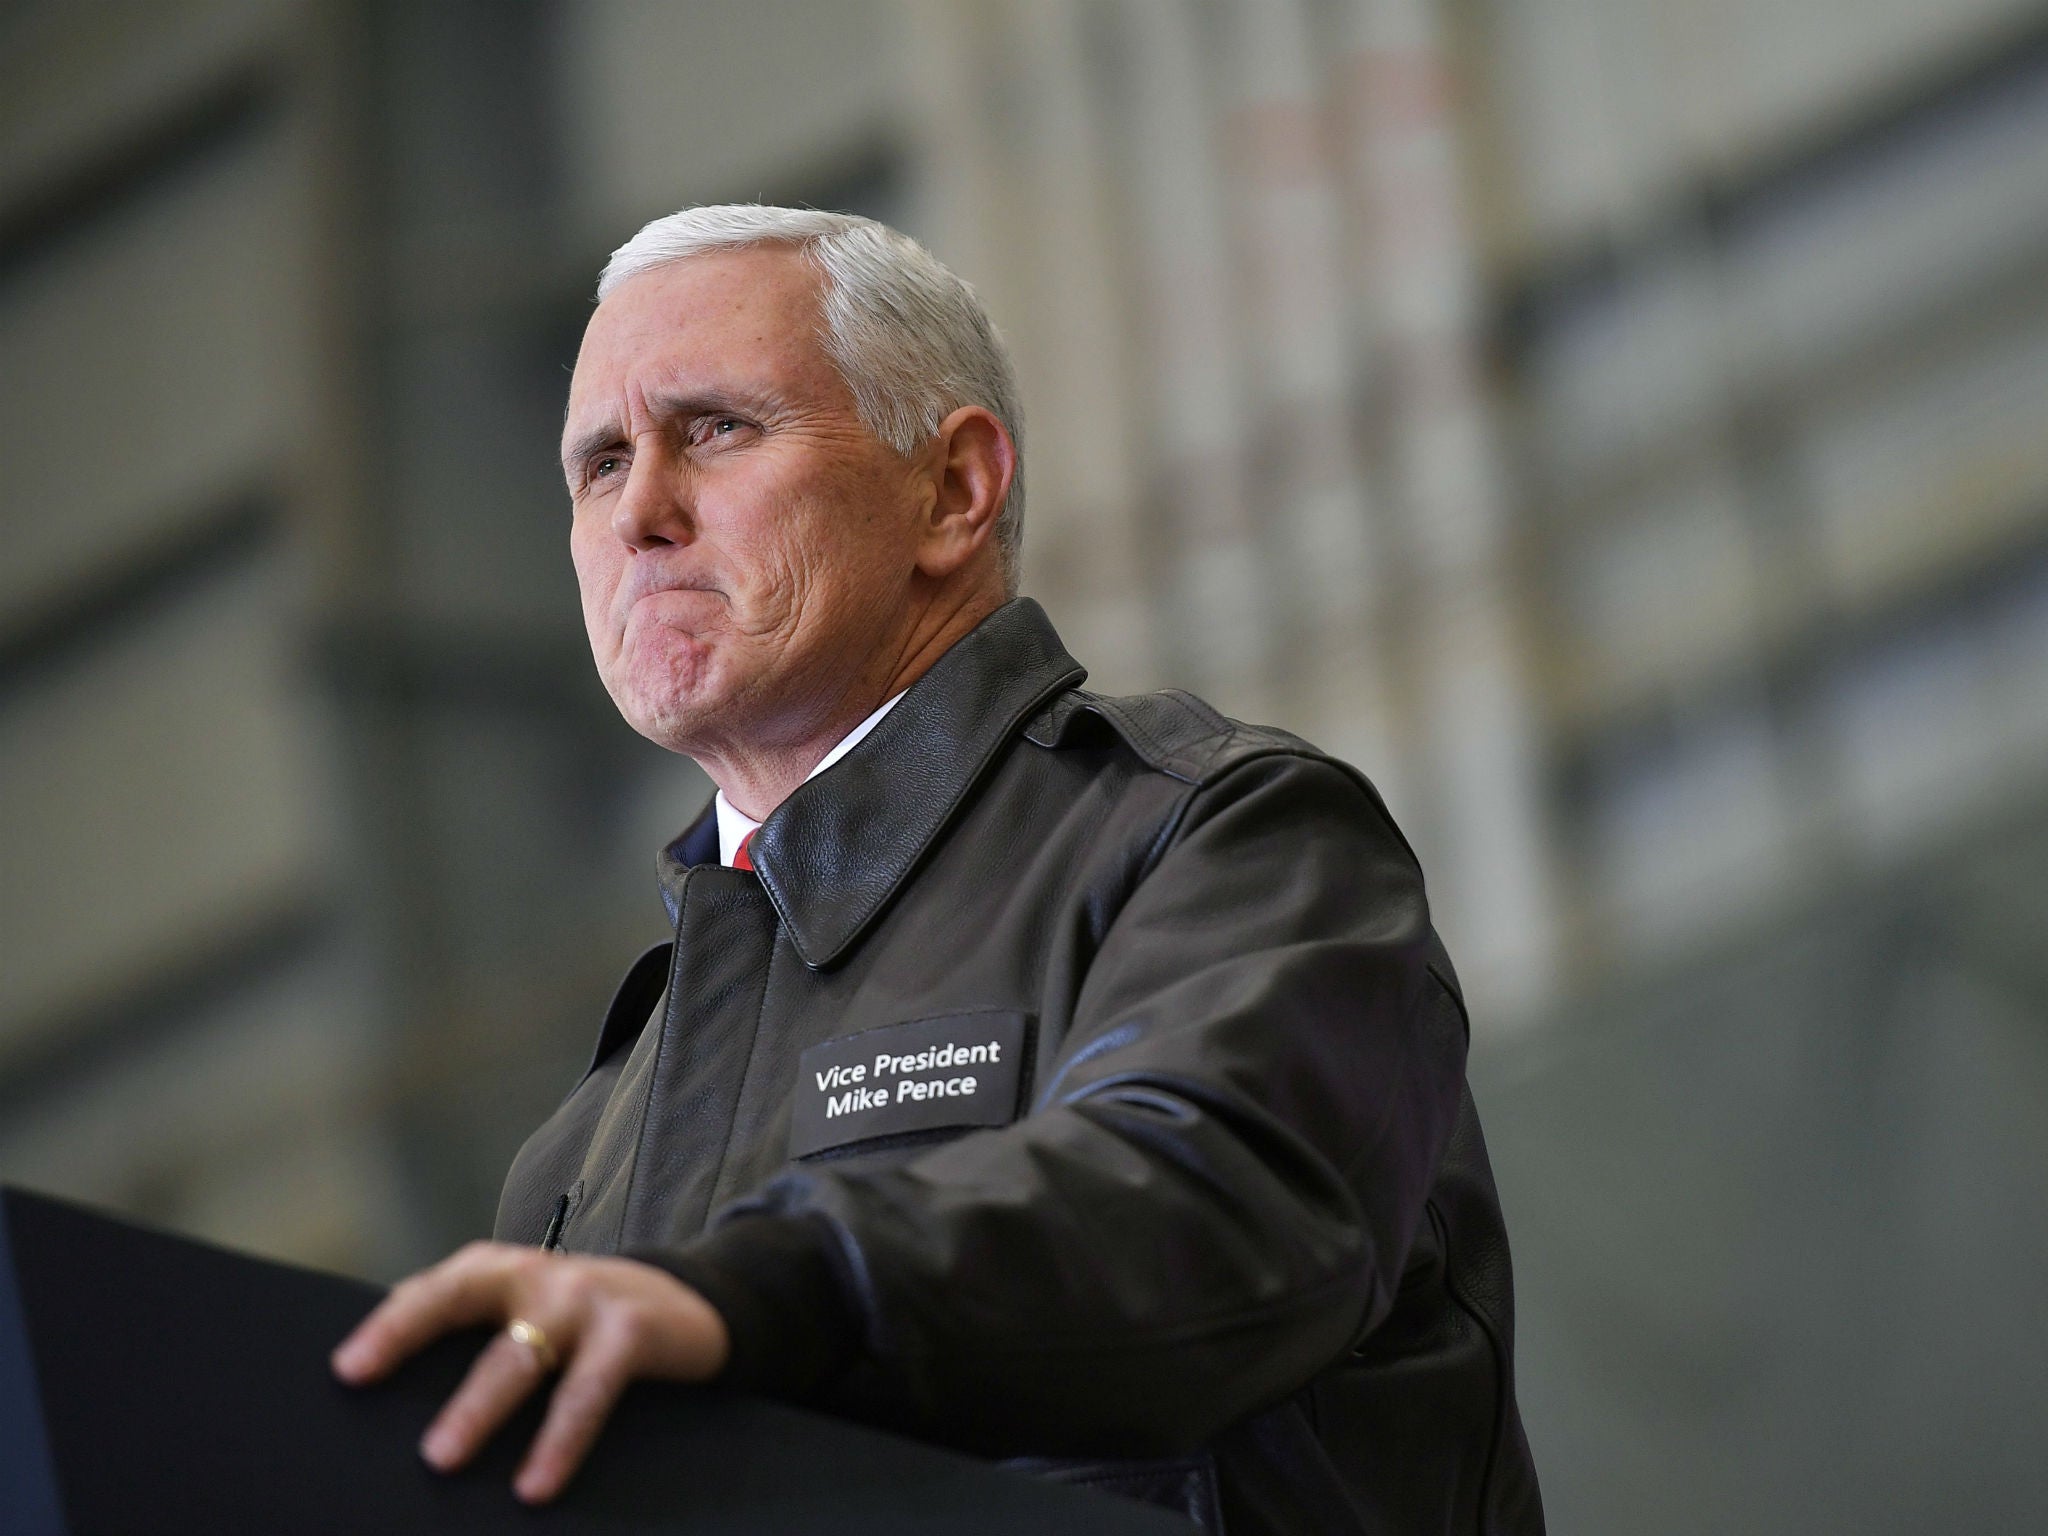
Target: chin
[[680, 724], [670, 690]]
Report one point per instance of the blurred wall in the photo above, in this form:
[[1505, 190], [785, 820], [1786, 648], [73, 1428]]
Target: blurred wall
[[1620, 428]]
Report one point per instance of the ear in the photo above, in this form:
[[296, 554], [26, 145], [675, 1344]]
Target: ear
[[971, 463]]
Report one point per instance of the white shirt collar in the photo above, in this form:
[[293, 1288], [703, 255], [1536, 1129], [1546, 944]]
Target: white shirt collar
[[734, 824]]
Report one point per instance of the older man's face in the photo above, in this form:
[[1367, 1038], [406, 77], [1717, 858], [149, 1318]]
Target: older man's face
[[744, 545]]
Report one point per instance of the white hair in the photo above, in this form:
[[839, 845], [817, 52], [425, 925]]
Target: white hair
[[910, 338]]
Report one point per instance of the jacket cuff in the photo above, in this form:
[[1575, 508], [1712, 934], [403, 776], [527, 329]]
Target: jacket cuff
[[791, 1326]]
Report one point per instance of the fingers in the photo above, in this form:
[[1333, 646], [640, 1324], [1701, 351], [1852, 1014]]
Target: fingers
[[604, 1362], [504, 1375], [637, 1321], [471, 1286], [610, 1320]]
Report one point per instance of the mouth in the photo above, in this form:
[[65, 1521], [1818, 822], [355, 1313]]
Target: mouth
[[656, 585], [678, 605]]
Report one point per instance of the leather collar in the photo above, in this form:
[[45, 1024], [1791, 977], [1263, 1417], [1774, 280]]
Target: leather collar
[[832, 855]]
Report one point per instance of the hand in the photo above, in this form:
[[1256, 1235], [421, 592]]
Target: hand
[[608, 1321]]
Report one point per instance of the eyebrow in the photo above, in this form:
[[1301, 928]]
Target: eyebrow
[[666, 406], [605, 434]]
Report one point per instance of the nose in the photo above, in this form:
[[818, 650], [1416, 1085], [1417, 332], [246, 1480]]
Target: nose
[[653, 509]]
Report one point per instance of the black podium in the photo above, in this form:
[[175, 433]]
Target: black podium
[[151, 1385]]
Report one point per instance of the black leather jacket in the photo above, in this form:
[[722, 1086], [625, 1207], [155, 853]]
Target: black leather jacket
[[1210, 1223]]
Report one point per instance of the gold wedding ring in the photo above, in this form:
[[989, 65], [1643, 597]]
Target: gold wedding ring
[[535, 1339]]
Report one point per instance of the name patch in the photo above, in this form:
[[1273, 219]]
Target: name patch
[[930, 1074]]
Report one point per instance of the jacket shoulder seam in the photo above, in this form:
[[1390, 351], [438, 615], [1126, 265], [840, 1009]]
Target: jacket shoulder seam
[[1171, 732], [1266, 746]]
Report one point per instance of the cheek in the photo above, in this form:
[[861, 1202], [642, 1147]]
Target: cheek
[[597, 576], [868, 526]]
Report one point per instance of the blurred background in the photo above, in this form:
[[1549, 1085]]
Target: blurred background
[[1620, 426]]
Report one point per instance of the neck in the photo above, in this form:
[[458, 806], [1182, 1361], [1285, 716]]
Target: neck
[[757, 776]]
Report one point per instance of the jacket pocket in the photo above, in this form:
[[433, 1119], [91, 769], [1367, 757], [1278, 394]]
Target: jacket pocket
[[565, 1207]]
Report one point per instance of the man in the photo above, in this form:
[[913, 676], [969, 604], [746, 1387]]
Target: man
[[1074, 1080]]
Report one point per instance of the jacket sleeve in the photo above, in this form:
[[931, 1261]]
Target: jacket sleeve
[[1211, 1195]]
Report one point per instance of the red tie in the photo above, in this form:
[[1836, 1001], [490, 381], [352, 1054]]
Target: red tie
[[741, 859]]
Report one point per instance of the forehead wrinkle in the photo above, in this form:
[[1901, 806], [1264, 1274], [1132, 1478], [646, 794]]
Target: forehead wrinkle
[[663, 402], [602, 434], [676, 388], [681, 403]]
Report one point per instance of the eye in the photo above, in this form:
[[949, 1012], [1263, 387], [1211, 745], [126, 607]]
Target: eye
[[717, 429], [605, 464]]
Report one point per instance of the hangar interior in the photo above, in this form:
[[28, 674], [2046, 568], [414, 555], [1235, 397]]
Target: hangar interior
[[1620, 428]]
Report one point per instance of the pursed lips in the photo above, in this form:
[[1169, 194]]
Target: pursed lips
[[687, 619], [636, 590]]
